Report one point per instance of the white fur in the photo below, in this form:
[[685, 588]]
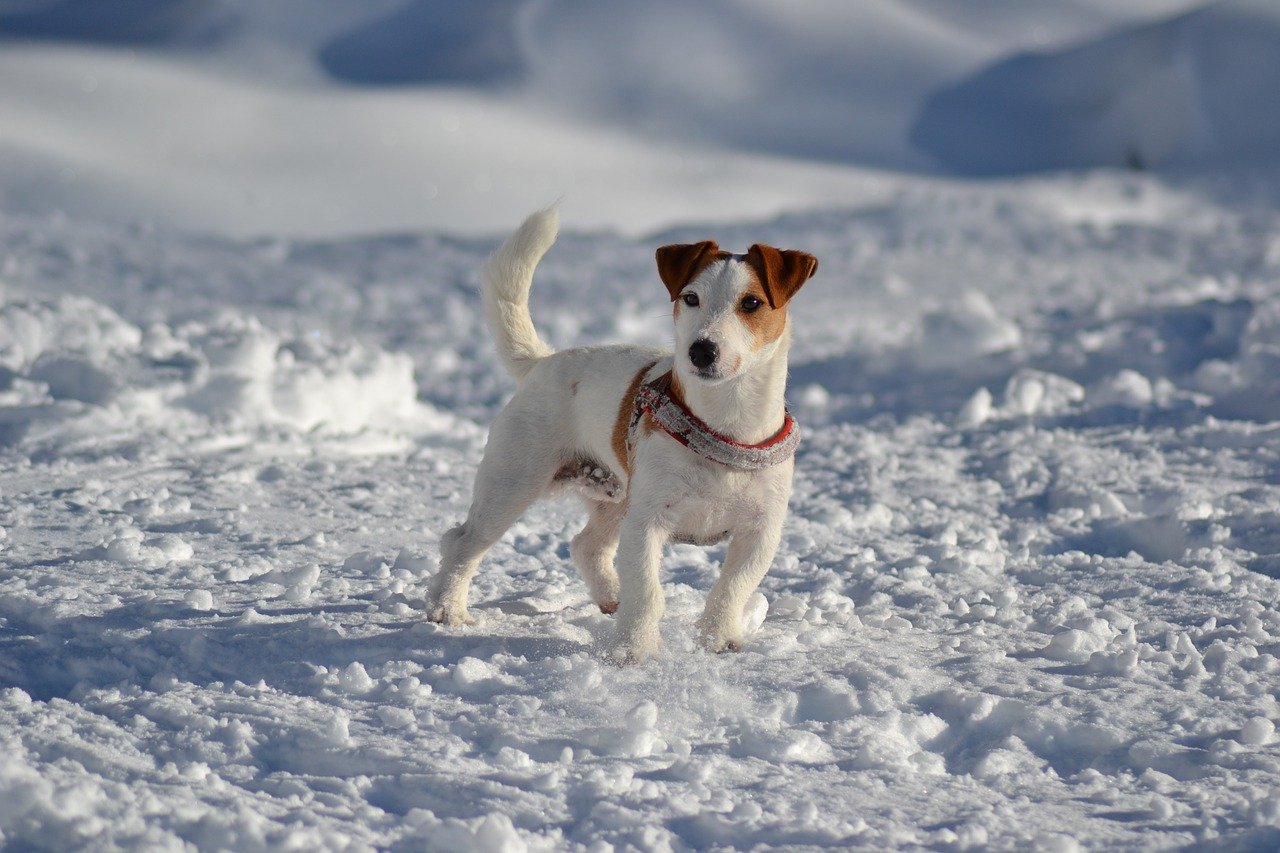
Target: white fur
[[746, 402], [565, 409], [506, 279]]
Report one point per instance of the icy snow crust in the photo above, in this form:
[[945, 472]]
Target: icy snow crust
[[1025, 596]]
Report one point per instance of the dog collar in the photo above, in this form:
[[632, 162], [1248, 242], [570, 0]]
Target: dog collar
[[687, 428]]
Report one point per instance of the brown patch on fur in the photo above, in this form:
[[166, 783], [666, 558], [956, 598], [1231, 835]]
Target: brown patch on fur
[[766, 324], [781, 272], [622, 423], [681, 263], [675, 388], [573, 388], [670, 382]]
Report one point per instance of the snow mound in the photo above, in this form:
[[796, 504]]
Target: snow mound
[[472, 43], [1195, 89], [1249, 386], [75, 362], [220, 115], [131, 22], [246, 372], [969, 329]]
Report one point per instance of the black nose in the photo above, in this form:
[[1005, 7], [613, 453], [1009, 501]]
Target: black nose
[[703, 353]]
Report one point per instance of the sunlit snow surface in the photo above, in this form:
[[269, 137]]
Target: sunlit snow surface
[[1026, 593], [1025, 596]]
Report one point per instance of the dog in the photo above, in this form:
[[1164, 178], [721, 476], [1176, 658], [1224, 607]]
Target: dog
[[692, 446]]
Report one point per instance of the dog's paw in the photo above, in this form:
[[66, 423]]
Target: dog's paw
[[452, 617], [716, 639], [721, 644], [608, 608], [630, 653]]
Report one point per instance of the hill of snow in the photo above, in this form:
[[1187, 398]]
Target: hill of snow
[[1193, 90], [312, 117]]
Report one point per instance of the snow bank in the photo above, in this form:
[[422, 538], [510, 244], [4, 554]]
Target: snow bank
[[1249, 386], [1194, 89], [75, 362], [321, 118], [205, 150], [246, 372]]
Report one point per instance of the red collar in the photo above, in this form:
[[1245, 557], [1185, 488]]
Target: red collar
[[673, 417]]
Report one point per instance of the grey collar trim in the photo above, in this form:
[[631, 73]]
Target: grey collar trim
[[685, 427]]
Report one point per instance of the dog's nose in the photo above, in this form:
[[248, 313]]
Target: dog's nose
[[703, 353]]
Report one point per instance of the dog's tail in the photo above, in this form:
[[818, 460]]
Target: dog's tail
[[506, 278]]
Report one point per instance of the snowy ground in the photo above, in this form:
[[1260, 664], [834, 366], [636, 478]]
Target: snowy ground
[[1035, 615], [1026, 594]]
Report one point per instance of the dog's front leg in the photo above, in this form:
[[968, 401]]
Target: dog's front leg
[[640, 587], [748, 557]]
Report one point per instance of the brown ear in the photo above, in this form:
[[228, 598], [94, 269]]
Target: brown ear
[[781, 273], [680, 263]]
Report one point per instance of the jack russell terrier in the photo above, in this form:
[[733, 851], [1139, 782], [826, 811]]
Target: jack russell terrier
[[695, 446]]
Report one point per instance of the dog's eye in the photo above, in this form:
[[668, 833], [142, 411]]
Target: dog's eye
[[750, 304], [690, 299]]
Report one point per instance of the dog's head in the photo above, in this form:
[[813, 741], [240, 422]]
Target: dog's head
[[730, 310]]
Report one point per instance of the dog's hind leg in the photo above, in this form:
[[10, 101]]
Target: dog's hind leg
[[504, 489], [593, 550]]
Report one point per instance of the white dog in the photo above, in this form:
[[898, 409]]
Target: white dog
[[695, 446]]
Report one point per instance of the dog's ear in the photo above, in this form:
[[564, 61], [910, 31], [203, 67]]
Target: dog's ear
[[781, 273], [680, 263]]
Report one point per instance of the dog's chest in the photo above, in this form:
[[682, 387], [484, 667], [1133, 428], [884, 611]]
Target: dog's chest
[[712, 502]]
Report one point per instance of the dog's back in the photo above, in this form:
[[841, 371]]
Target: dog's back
[[577, 403], [569, 403]]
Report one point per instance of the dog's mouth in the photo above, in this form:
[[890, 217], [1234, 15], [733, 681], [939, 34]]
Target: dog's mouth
[[710, 374]]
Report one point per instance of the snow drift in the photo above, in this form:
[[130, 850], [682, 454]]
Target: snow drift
[[1195, 90], [70, 365], [324, 118]]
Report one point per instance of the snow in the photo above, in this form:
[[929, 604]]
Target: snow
[[1026, 592], [318, 118], [135, 137], [1196, 87], [1040, 616]]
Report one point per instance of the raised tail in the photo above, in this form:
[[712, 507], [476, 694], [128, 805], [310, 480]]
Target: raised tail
[[506, 279]]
